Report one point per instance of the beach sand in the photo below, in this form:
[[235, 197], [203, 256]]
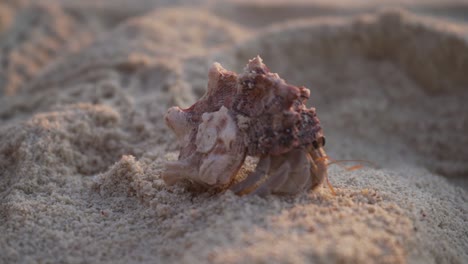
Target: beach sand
[[84, 86]]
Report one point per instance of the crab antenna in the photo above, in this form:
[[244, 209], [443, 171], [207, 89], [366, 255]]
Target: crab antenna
[[355, 167]]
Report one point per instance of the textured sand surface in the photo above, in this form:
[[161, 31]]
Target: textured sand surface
[[84, 87]]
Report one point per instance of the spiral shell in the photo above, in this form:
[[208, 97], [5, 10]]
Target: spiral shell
[[257, 114]]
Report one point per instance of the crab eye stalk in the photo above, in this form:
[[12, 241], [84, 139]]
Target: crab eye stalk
[[315, 144], [318, 143], [322, 141]]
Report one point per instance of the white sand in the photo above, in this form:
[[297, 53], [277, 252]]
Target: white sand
[[82, 140]]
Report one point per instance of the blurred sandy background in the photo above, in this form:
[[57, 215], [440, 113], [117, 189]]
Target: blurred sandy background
[[84, 86]]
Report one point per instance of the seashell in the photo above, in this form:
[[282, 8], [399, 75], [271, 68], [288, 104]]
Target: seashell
[[257, 114]]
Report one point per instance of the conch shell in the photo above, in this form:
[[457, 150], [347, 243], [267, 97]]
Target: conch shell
[[254, 114]]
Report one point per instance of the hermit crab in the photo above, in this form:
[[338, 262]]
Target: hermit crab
[[254, 114]]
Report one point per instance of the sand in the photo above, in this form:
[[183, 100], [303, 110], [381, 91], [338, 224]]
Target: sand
[[84, 87]]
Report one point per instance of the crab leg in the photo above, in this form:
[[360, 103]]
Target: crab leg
[[276, 179], [299, 176], [261, 170]]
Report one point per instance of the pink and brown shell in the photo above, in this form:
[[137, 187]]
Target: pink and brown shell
[[255, 114]]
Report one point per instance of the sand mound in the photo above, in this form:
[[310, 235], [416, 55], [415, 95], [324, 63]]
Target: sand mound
[[83, 142], [32, 36]]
